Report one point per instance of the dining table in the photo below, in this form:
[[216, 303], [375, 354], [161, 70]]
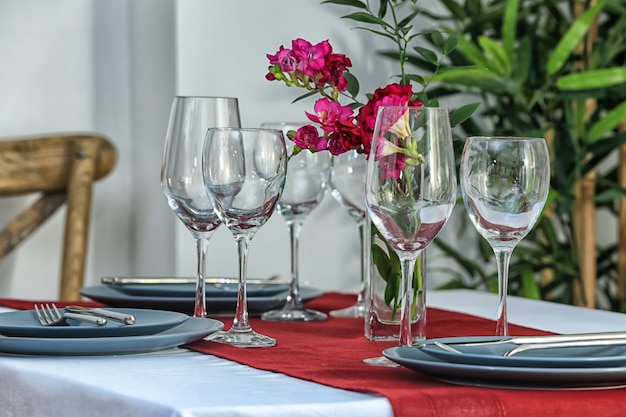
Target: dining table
[[316, 369]]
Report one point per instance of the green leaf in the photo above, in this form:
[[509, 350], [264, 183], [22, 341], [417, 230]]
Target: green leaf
[[427, 54], [497, 54], [572, 37], [353, 3], [472, 77], [451, 43], [382, 11], [609, 122], [600, 78], [437, 39], [610, 195], [408, 19], [365, 18], [529, 284], [523, 60], [474, 54], [461, 114], [353, 84], [509, 26]]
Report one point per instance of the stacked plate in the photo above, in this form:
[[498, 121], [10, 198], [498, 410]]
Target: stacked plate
[[177, 294], [481, 362], [153, 330]]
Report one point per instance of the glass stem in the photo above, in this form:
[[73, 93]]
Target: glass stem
[[503, 258], [294, 302], [406, 291], [202, 244], [241, 323], [360, 301]]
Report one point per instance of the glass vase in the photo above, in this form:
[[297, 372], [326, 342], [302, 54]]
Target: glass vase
[[383, 300]]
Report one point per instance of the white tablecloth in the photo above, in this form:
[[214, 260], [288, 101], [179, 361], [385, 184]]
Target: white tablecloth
[[189, 384]]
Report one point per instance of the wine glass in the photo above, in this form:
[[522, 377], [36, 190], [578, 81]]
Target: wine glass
[[504, 183], [348, 188], [307, 176], [244, 173], [181, 172], [410, 192]]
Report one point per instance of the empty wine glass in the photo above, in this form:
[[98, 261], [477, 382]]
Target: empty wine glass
[[410, 192], [181, 172], [244, 173], [504, 183], [307, 176], [348, 188]]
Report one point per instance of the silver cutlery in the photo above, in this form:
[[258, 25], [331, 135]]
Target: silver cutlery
[[100, 312], [528, 340], [51, 316]]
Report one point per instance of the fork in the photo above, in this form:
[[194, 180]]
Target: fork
[[51, 316]]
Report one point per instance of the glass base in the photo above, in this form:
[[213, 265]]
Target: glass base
[[248, 338], [380, 361], [356, 311], [293, 315]]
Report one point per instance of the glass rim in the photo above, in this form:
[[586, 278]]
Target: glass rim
[[215, 97], [243, 129], [413, 107], [509, 138]]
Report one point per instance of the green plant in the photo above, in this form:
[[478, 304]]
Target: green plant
[[554, 69]]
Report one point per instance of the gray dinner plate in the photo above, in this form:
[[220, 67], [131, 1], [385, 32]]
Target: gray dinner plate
[[25, 324], [507, 376], [214, 305], [189, 331], [491, 355], [188, 289]]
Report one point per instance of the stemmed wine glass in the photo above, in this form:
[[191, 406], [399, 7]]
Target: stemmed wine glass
[[348, 188], [307, 176], [244, 173], [410, 192], [504, 183], [181, 172]]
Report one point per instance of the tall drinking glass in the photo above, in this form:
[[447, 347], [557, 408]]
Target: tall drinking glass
[[410, 192], [504, 183], [348, 188], [181, 172], [307, 176], [244, 174]]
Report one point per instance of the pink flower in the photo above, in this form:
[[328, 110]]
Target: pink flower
[[307, 137], [330, 114]]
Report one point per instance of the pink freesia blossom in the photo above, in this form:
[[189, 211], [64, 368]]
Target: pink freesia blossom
[[330, 114], [316, 67], [307, 137]]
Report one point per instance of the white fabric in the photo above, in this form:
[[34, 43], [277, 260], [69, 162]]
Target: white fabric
[[189, 384]]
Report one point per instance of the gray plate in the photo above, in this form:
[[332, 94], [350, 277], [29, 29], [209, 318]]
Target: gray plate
[[491, 355], [189, 331], [188, 290], [507, 377], [25, 324], [216, 305]]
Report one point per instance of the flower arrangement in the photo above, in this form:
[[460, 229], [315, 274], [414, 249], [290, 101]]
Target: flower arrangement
[[320, 71], [316, 68]]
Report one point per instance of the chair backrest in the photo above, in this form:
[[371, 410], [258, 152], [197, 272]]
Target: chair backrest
[[62, 169]]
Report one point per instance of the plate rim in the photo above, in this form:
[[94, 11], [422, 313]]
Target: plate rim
[[530, 376], [515, 361], [188, 331]]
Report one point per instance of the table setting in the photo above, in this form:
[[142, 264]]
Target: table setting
[[387, 350]]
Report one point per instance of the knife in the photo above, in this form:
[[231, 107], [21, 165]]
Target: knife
[[100, 312], [167, 280]]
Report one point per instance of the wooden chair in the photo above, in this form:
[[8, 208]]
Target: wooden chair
[[61, 169]]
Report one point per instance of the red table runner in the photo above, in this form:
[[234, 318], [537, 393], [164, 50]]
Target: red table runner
[[331, 353]]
